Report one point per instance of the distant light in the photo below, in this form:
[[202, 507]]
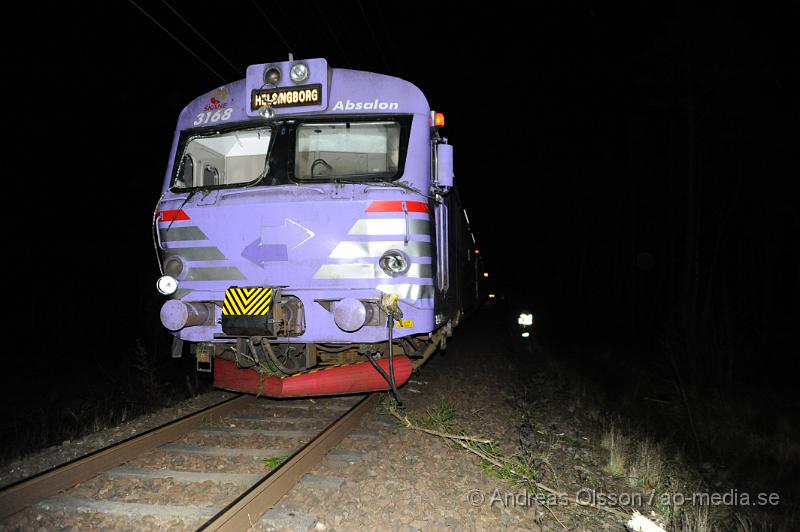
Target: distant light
[[491, 296], [526, 334], [525, 319], [477, 252], [486, 274], [438, 119]]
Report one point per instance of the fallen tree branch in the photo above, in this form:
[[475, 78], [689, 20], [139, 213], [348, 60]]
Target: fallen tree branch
[[407, 422], [541, 486], [463, 442]]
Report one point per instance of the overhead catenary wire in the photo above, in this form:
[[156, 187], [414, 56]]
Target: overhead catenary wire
[[234, 67], [178, 41], [271, 25], [332, 33], [374, 37]]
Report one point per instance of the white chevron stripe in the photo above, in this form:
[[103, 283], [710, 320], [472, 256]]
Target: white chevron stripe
[[356, 250], [389, 226], [368, 271], [408, 291]]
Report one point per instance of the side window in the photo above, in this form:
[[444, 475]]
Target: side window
[[186, 177]]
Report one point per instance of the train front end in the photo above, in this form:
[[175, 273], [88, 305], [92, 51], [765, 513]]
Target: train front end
[[296, 230]]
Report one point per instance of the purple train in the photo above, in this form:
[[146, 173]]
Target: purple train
[[308, 233]]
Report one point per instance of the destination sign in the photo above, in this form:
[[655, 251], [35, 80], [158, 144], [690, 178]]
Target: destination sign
[[288, 97]]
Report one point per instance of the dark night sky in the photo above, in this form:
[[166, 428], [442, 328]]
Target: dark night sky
[[628, 169], [623, 165]]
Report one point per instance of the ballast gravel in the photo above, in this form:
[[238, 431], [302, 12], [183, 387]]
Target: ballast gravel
[[399, 479], [37, 462]]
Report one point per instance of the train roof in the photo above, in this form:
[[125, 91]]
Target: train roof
[[323, 91]]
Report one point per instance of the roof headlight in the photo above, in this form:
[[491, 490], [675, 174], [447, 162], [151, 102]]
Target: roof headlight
[[299, 72], [394, 262], [167, 285], [272, 76]]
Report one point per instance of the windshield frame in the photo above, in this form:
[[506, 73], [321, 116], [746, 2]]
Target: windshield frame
[[404, 121], [187, 135]]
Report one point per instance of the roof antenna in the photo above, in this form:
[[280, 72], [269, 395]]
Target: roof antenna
[[291, 57]]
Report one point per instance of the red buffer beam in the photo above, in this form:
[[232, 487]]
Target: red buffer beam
[[352, 378]]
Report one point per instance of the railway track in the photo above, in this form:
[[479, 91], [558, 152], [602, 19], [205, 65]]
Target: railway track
[[218, 469]]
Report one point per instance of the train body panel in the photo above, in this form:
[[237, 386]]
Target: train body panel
[[319, 250], [302, 206]]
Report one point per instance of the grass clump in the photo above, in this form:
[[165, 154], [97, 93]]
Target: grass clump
[[274, 461], [647, 466], [616, 444]]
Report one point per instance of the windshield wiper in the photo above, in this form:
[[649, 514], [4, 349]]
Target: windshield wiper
[[185, 201], [392, 184]]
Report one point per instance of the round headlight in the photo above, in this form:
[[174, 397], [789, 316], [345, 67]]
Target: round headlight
[[173, 266], [299, 72], [272, 76], [167, 285], [394, 262]]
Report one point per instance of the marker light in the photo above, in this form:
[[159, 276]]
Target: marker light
[[394, 262], [438, 119], [525, 319], [526, 334], [299, 72], [167, 285], [272, 76]]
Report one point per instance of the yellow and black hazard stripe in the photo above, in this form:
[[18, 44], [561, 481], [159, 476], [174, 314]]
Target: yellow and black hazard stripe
[[247, 301]]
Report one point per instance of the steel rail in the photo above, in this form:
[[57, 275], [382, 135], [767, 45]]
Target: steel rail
[[245, 510], [25, 492]]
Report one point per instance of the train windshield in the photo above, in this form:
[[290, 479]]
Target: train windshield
[[230, 158], [347, 149]]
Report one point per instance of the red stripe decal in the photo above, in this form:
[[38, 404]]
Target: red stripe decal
[[397, 206], [171, 216]]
